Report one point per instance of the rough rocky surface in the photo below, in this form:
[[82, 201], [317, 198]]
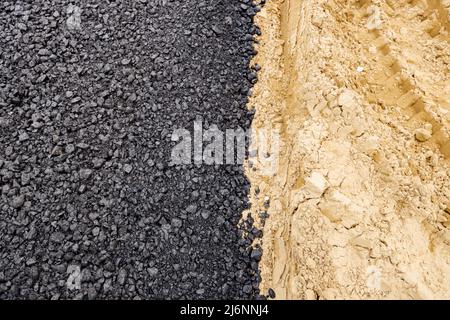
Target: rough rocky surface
[[359, 91], [90, 92]]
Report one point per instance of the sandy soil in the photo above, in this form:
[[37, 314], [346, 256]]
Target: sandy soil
[[359, 203]]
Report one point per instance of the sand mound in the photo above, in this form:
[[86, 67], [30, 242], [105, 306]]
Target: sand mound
[[359, 94]]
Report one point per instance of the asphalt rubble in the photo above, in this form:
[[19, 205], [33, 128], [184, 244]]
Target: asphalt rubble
[[90, 92]]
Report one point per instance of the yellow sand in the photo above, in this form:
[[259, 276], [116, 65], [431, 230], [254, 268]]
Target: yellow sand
[[359, 92]]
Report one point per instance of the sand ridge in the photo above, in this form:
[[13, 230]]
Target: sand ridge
[[359, 204]]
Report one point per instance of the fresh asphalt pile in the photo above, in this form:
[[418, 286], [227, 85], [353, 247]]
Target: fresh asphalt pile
[[90, 93]]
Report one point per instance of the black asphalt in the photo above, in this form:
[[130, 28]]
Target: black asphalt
[[86, 116]]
